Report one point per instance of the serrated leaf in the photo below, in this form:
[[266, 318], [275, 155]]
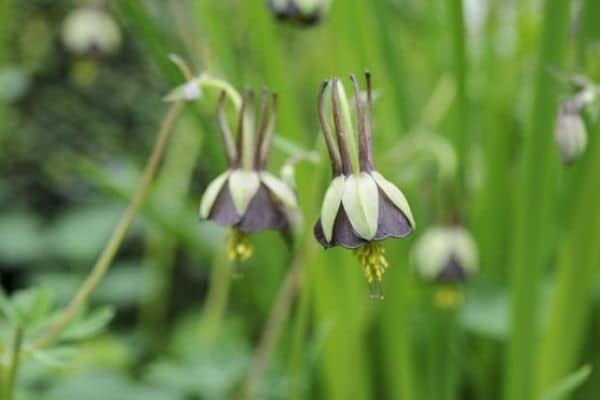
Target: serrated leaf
[[282, 191], [395, 195], [568, 384], [331, 205], [211, 193], [89, 325], [361, 202], [243, 185]]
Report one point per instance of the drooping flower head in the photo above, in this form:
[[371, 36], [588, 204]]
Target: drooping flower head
[[446, 256], [301, 12], [246, 196], [360, 207]]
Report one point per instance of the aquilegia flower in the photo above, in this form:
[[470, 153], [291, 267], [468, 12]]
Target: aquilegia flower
[[302, 12], [448, 257], [246, 197], [360, 207]]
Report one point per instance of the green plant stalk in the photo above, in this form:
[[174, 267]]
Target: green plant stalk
[[216, 299], [13, 365], [398, 310], [459, 68], [106, 257], [578, 262], [274, 325], [299, 330], [169, 189], [533, 210]]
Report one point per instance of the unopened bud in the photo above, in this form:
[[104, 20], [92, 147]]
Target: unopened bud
[[570, 132], [303, 12]]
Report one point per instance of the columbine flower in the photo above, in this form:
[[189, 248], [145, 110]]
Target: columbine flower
[[303, 12], [91, 30], [246, 197], [569, 131], [448, 257], [360, 207]]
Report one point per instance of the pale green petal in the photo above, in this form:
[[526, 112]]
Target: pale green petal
[[331, 205], [243, 185], [395, 195], [361, 202], [282, 191], [211, 193]]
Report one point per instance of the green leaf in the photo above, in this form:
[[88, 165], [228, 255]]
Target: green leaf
[[331, 205], [211, 193], [89, 325], [568, 384], [395, 195], [282, 191], [58, 356], [361, 202], [243, 185]]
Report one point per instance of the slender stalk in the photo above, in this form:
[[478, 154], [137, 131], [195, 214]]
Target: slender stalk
[[106, 257], [579, 255], [533, 210], [216, 299], [459, 58], [13, 366], [272, 330]]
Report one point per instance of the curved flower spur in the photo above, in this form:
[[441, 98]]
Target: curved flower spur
[[360, 207], [246, 197]]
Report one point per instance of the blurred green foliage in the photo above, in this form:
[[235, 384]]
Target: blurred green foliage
[[464, 112]]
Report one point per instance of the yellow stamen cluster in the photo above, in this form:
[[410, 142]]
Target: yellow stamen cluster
[[371, 258], [239, 248], [448, 296]]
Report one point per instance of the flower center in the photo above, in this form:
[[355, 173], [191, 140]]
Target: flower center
[[448, 296], [239, 248], [371, 258]]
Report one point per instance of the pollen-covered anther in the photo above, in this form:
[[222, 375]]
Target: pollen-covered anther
[[239, 248], [371, 258]]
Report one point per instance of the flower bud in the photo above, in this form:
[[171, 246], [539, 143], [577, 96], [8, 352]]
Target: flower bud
[[91, 30], [569, 132], [302, 12]]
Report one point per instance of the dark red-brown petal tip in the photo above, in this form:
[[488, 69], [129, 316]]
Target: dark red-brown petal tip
[[343, 233], [223, 211], [262, 213], [453, 272], [391, 221]]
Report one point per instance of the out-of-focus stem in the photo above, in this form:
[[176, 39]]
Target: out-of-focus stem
[[13, 366], [106, 257], [216, 299], [271, 332], [533, 210]]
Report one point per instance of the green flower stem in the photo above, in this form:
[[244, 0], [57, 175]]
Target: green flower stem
[[106, 257], [210, 82], [459, 59], [170, 187], [218, 294], [272, 330], [579, 255], [533, 210], [13, 365], [572, 296]]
